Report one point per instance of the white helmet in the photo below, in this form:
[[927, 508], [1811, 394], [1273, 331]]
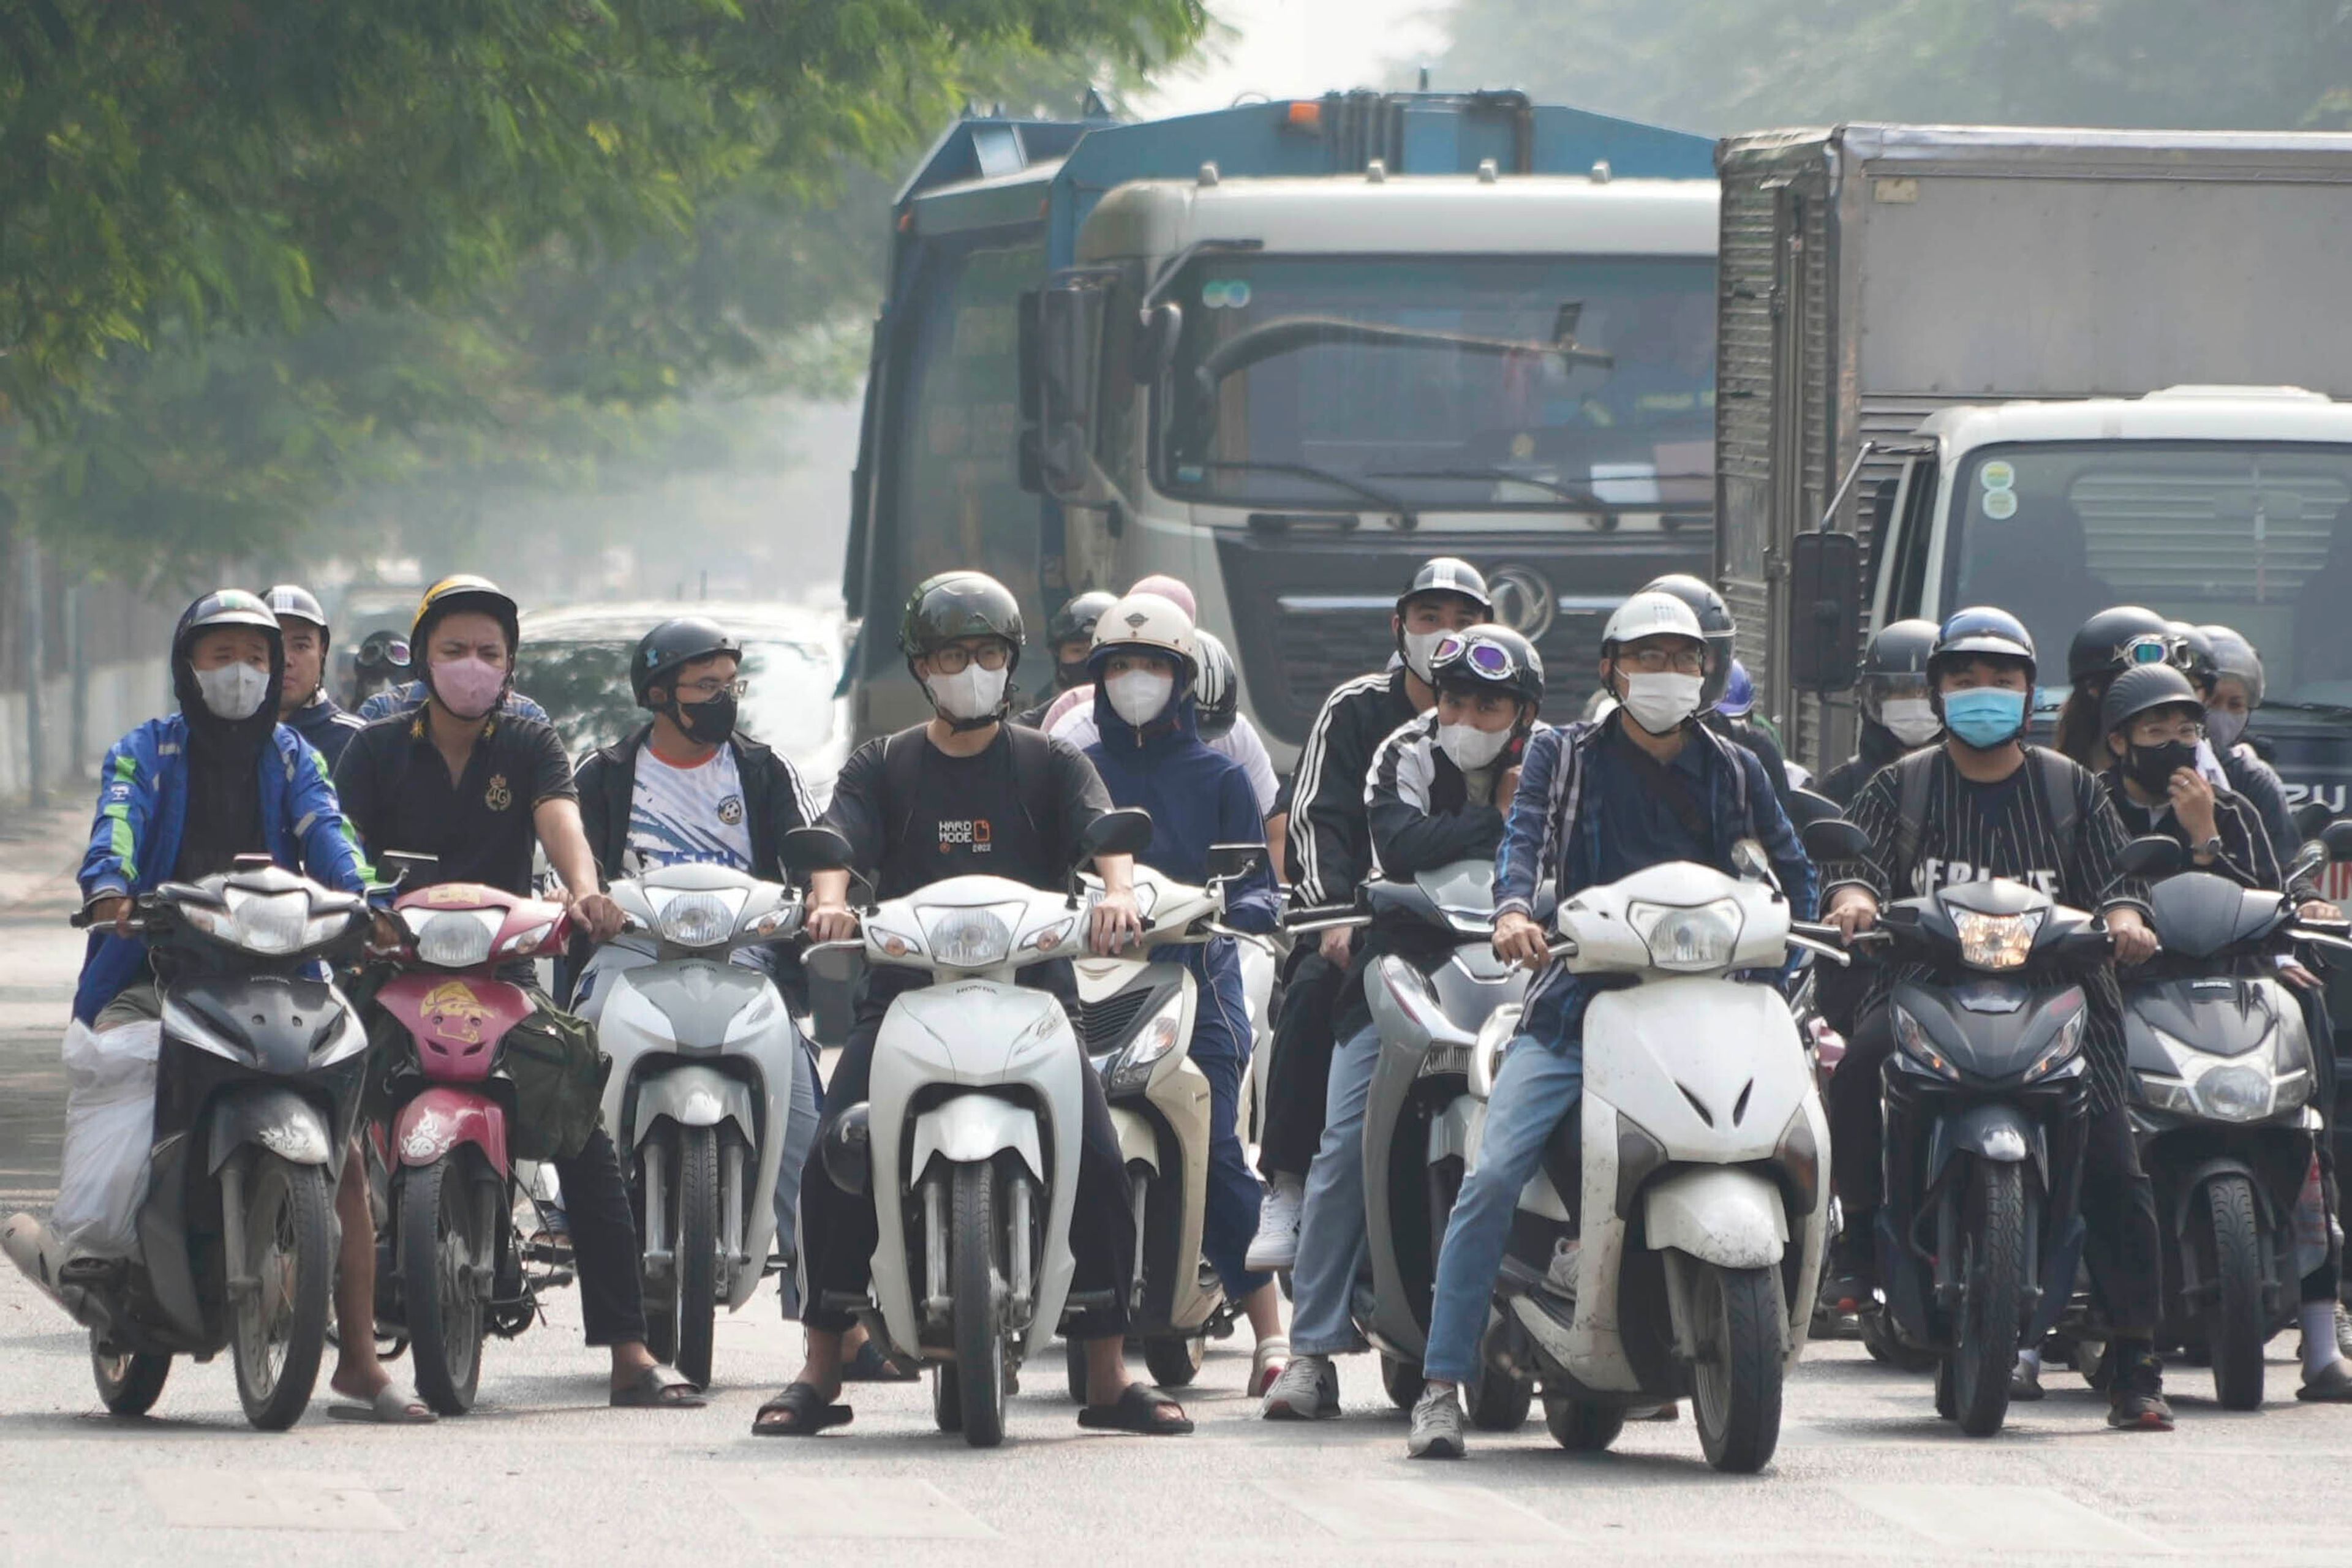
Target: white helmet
[[1147, 620], [1648, 615]]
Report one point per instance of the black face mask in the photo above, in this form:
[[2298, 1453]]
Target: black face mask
[[2152, 767], [710, 723], [1071, 674]]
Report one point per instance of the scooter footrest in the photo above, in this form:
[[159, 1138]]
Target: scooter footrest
[[94, 1273], [844, 1300], [1088, 1301]]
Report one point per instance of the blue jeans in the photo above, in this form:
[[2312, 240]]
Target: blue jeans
[[1331, 1240], [1536, 1085]]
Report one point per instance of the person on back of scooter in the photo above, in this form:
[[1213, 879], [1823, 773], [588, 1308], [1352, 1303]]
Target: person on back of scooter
[[180, 799], [1722, 637], [1150, 754], [1070, 638], [2116, 639], [1594, 804], [1328, 846], [2231, 688], [2154, 719], [1898, 715], [1437, 792], [1985, 805], [965, 794], [690, 788], [304, 705], [476, 785]]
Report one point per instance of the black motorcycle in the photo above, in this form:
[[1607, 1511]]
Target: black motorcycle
[[256, 1088]]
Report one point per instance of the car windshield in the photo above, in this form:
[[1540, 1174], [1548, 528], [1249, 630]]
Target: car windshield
[[2249, 535], [1454, 383], [584, 687]]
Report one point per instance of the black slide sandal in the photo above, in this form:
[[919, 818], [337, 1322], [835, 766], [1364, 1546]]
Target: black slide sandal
[[1143, 1410], [807, 1408]]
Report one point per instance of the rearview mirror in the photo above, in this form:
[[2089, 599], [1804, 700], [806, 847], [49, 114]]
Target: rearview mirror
[[2152, 855], [1231, 862], [808, 850], [1835, 838], [1155, 342], [2337, 837], [1806, 808], [1748, 855], [402, 866], [2310, 818], [1061, 332], [1127, 831], [1825, 610]]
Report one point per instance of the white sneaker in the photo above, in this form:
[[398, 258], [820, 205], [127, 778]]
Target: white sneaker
[[1436, 1426], [1276, 1245], [1307, 1390]]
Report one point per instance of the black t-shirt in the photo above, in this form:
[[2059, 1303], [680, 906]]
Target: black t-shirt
[[996, 813], [397, 793]]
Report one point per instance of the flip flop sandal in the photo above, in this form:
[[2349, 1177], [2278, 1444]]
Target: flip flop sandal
[[870, 1365], [1141, 1410], [658, 1388], [391, 1405], [808, 1412]]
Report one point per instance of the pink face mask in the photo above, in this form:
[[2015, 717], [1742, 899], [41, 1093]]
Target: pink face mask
[[469, 688]]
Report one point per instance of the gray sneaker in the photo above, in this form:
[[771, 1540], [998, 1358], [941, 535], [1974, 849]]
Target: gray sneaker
[[1307, 1390], [1437, 1425]]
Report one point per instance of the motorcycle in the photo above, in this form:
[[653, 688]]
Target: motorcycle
[[1420, 1116], [1135, 1020], [969, 1139], [699, 1093], [256, 1090], [450, 1267], [1698, 1158]]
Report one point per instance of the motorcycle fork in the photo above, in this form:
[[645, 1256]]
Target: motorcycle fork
[[657, 1258], [1023, 1288], [936, 1303], [730, 1208], [241, 1285]]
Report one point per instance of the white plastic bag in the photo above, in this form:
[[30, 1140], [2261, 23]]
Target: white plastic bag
[[109, 1128]]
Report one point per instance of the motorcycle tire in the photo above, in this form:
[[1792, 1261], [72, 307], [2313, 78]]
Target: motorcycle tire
[[1994, 1284], [947, 1398], [2237, 1320], [1736, 1387], [1498, 1401], [1580, 1428], [1074, 1361], [976, 1282], [1174, 1360], [1401, 1380], [128, 1384], [694, 1301], [1888, 1347], [278, 1330], [440, 1255]]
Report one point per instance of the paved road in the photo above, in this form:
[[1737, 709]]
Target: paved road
[[542, 1472]]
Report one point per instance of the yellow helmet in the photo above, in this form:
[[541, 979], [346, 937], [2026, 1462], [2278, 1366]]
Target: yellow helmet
[[465, 591]]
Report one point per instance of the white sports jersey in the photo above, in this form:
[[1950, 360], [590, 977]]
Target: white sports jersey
[[678, 816]]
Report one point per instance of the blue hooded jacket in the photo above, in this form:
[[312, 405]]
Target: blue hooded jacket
[[1197, 798], [142, 809]]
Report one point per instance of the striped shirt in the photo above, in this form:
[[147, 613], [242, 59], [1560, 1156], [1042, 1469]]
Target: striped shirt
[[1330, 843]]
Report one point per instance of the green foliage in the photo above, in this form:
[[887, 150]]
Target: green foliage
[[1720, 65]]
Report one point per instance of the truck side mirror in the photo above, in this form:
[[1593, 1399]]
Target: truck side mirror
[[1061, 373], [1155, 342], [1825, 610]]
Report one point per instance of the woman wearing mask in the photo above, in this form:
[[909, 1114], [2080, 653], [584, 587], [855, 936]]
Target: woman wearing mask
[[1898, 715], [2232, 692]]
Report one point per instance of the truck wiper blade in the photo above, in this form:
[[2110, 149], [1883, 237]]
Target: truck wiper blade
[[1356, 487], [1288, 334], [2323, 710], [1580, 496]]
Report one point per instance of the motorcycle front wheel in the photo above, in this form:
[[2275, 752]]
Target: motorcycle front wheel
[[440, 1258], [1738, 1325], [977, 1274], [694, 1249], [1992, 1273], [2237, 1320], [128, 1384], [278, 1320]]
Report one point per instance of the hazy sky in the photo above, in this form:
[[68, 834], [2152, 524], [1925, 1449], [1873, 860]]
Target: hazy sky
[[1299, 48]]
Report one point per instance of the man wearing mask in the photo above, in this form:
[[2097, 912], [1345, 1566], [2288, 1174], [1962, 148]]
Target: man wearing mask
[[1595, 803], [1898, 716], [303, 706], [1722, 638], [1985, 805], [1438, 791], [966, 793], [479, 787], [1328, 846], [411, 696], [1070, 638]]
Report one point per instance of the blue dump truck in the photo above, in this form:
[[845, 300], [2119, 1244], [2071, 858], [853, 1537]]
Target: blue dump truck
[[1284, 350]]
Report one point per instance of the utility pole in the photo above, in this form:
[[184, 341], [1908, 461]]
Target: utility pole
[[36, 793], [78, 663]]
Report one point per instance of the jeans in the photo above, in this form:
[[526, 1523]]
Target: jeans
[[1331, 1228], [1536, 1085], [1233, 1192]]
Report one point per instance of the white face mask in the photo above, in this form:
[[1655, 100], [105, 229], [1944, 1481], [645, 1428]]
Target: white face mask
[[1912, 720], [1140, 696], [1659, 702], [1419, 647], [971, 693], [1471, 747], [2223, 728], [233, 692]]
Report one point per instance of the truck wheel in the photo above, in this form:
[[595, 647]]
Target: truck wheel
[[976, 1274], [1992, 1274], [1736, 1387], [278, 1328], [2237, 1321]]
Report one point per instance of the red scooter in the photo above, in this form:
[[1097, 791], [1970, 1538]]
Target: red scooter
[[451, 1266]]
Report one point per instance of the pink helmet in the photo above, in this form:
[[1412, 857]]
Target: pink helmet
[[1171, 589]]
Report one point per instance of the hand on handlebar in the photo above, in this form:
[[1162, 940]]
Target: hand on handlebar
[[1116, 922], [830, 922], [1853, 910], [600, 914], [114, 910], [2135, 943], [1519, 939]]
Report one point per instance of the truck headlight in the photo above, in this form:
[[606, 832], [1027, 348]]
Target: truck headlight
[[1700, 937]]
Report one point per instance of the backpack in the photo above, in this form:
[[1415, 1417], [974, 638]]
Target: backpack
[[1911, 774]]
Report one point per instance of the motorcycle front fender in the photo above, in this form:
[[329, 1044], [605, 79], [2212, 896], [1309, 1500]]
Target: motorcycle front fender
[[271, 1118], [1993, 1131], [1138, 1140], [694, 1096], [439, 1119], [971, 1128], [1731, 1218]]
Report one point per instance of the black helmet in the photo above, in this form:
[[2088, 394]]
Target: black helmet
[[1488, 658], [1077, 615], [2145, 686], [1981, 631], [1218, 694], [225, 607], [1899, 651], [464, 592], [2116, 639], [293, 599], [2193, 655], [672, 644], [1714, 620], [956, 605], [1445, 575], [382, 652]]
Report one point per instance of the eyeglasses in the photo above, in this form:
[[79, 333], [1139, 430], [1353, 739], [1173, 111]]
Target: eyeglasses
[[1658, 660], [954, 658], [1490, 659], [710, 687]]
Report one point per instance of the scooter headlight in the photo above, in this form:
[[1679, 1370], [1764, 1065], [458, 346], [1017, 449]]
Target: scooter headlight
[[455, 939], [1918, 1046], [2234, 1094], [970, 939], [1696, 938], [1996, 942], [700, 919]]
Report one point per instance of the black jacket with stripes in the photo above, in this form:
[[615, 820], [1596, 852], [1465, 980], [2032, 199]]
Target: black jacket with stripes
[[1330, 840]]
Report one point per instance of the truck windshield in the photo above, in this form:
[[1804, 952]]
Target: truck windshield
[[2249, 535], [1542, 383]]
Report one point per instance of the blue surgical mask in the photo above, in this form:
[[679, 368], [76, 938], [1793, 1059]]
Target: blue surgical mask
[[1984, 716]]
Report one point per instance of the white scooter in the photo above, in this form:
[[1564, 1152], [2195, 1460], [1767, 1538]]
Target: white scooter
[[1704, 1179], [700, 1091], [971, 1124]]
